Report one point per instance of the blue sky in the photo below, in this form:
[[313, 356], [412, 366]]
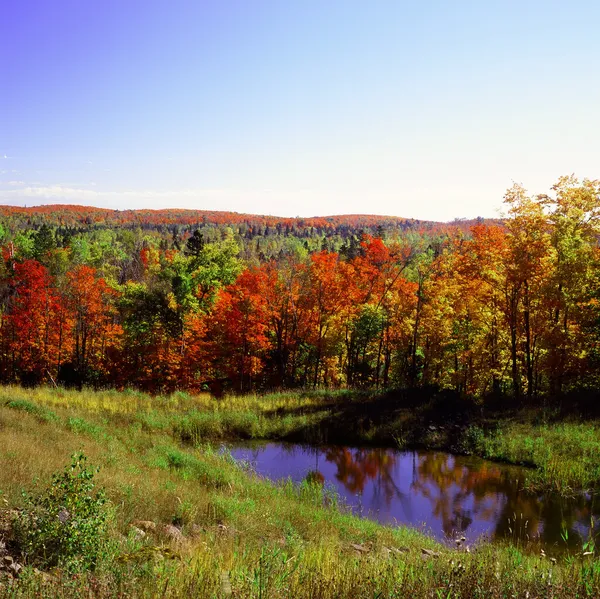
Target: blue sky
[[296, 107]]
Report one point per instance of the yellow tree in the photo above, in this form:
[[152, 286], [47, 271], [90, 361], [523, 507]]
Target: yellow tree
[[530, 260], [574, 211]]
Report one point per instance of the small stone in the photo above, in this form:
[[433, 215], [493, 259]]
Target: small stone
[[145, 525], [138, 533], [64, 516], [15, 568], [173, 532], [429, 553], [359, 548]]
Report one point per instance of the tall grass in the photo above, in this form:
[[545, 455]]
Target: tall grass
[[563, 456], [239, 532]]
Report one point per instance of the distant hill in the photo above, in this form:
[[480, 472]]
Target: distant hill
[[66, 215]]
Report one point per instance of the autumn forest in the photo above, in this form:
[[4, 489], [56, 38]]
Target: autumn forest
[[184, 300]]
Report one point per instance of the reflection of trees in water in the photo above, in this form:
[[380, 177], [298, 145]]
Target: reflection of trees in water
[[460, 492], [355, 467], [556, 516], [486, 491], [449, 485]]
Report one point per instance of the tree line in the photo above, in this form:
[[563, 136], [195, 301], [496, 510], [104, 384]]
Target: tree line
[[503, 308]]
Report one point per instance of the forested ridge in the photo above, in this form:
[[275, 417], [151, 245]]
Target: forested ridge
[[179, 299]]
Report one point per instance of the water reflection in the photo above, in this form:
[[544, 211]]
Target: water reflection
[[445, 494]]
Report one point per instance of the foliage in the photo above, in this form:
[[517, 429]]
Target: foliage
[[66, 524], [241, 531], [187, 300]]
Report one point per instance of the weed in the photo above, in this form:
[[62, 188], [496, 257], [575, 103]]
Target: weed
[[271, 540], [66, 524]]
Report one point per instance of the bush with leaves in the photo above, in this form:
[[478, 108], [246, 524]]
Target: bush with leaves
[[66, 525]]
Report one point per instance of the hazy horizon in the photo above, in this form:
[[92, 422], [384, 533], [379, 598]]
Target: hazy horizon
[[268, 215], [417, 111]]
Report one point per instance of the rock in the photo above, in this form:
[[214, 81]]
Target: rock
[[8, 559], [138, 533], [172, 532], [389, 551], [64, 516], [15, 568], [429, 553], [145, 525], [360, 548]]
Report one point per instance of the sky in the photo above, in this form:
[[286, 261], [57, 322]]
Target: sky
[[423, 109]]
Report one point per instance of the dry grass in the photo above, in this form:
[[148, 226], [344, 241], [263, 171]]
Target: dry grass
[[262, 540]]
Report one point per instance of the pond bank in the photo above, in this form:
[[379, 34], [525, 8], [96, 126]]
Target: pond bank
[[561, 449], [562, 453], [450, 497], [227, 526]]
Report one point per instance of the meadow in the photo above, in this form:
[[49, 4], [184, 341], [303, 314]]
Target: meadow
[[563, 452], [184, 519]]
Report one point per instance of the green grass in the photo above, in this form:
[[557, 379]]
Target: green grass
[[239, 531], [562, 456], [565, 456]]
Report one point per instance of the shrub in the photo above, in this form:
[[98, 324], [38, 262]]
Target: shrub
[[66, 524], [473, 441]]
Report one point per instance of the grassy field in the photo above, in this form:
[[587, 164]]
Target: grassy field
[[212, 529], [563, 453]]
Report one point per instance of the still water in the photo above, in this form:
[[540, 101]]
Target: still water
[[443, 494]]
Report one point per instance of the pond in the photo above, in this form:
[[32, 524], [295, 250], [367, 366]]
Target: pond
[[443, 494]]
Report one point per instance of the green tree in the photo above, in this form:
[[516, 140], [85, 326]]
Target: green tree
[[43, 243]]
